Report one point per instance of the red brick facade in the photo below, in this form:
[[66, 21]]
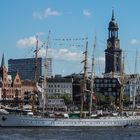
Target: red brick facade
[[12, 87]]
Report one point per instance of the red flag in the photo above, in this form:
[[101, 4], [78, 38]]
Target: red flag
[[94, 97]]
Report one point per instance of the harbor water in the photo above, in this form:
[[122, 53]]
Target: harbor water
[[103, 133]]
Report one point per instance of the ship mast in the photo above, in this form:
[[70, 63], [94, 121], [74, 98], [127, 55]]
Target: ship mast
[[122, 89], [36, 63], [84, 81], [92, 78], [36, 75], [44, 93], [135, 81]]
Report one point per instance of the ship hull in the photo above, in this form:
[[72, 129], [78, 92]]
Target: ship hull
[[31, 121]]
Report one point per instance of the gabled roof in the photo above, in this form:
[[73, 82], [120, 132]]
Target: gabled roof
[[17, 79]]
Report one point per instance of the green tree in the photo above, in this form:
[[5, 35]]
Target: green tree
[[126, 100], [100, 100], [67, 98]]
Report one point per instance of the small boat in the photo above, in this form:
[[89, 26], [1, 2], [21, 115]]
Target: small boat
[[3, 111]]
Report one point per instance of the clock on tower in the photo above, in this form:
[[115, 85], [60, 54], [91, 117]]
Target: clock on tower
[[109, 44]]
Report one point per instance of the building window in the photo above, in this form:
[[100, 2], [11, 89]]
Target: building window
[[117, 68], [98, 89], [109, 85], [97, 80], [102, 85], [113, 85], [109, 89], [114, 80], [97, 85], [105, 85]]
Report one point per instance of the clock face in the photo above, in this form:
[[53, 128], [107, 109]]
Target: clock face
[[109, 44], [116, 44]]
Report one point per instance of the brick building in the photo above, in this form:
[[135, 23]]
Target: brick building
[[12, 88]]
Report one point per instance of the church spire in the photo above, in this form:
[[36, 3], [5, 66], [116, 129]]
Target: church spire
[[113, 17], [113, 53], [2, 62]]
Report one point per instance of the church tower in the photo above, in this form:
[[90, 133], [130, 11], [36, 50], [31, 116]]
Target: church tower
[[3, 73], [113, 53]]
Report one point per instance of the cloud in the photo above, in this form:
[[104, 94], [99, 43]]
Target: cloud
[[135, 42], [45, 14], [87, 13], [62, 54], [26, 42]]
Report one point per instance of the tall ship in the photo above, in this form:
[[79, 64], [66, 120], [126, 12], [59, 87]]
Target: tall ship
[[25, 118], [14, 120]]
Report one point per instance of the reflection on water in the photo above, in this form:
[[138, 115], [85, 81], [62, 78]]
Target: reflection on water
[[71, 133]]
